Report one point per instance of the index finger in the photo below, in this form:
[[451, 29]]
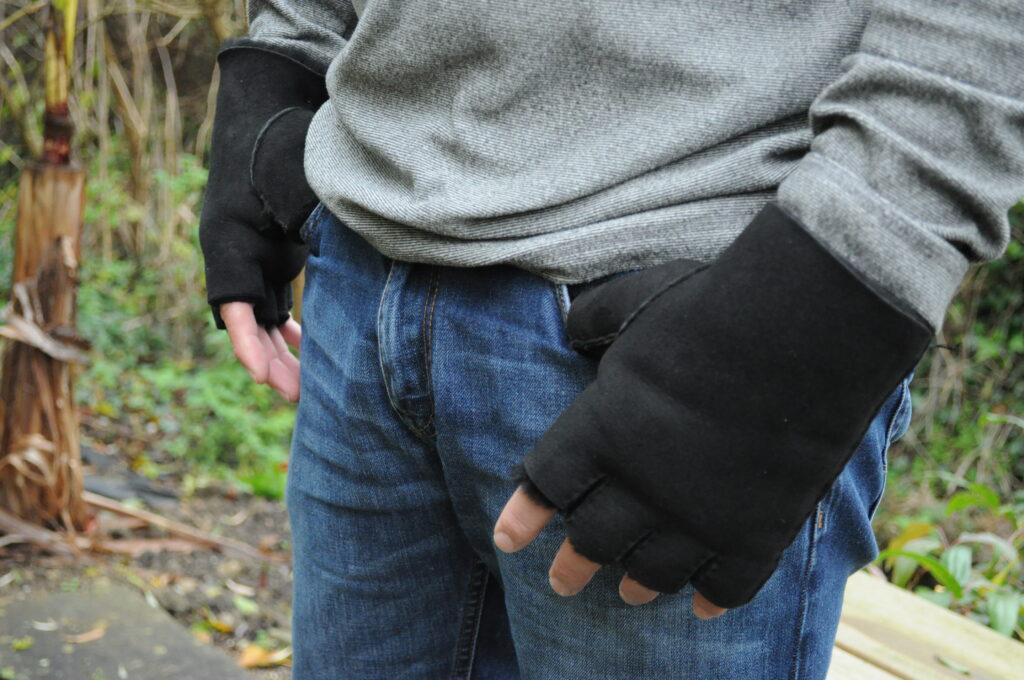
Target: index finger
[[520, 522]]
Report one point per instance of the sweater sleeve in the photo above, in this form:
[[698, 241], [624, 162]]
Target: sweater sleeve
[[310, 31], [918, 148]]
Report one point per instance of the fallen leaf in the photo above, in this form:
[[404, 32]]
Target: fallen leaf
[[268, 542], [246, 606], [236, 519], [229, 568], [22, 643], [255, 656], [88, 636], [241, 589], [185, 585], [219, 626], [46, 626]]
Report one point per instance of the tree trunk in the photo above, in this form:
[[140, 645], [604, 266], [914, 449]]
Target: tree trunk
[[40, 467]]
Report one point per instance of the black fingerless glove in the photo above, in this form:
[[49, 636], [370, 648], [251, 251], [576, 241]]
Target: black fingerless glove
[[257, 196], [728, 400]]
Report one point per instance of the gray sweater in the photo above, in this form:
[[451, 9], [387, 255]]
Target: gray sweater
[[578, 138]]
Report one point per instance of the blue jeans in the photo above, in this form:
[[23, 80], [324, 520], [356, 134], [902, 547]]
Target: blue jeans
[[422, 387]]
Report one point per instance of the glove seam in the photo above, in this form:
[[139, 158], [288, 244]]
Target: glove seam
[[257, 145], [633, 547], [610, 337], [576, 495]]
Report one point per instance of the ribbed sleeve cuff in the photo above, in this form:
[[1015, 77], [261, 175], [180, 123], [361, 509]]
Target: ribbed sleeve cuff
[[905, 262]]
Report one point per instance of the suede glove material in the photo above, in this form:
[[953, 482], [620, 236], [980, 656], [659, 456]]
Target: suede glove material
[[257, 196], [728, 398]]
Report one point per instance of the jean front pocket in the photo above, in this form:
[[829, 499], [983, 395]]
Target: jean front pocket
[[898, 410], [309, 232]]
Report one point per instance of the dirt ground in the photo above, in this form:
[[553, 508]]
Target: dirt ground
[[231, 602]]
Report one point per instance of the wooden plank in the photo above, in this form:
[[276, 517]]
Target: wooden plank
[[909, 637], [846, 666]]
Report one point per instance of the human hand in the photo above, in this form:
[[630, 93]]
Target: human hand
[[727, 399], [257, 197], [521, 521], [264, 352]]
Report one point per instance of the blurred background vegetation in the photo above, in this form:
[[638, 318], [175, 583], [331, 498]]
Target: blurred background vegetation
[[164, 391]]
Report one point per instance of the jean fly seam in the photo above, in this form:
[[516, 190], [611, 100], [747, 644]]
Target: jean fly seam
[[465, 646], [382, 353], [410, 420], [428, 342]]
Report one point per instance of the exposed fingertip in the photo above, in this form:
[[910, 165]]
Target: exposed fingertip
[[634, 594], [559, 586], [706, 612], [504, 542]]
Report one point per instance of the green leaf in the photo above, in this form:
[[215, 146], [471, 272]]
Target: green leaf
[[958, 560], [943, 598], [903, 568], [913, 531], [976, 496], [1003, 607], [22, 643], [932, 566], [998, 543], [245, 605]]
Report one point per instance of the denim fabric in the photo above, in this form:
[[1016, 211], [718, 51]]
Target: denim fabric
[[422, 388]]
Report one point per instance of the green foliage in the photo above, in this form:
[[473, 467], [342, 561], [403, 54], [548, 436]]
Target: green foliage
[[969, 395], [8, 198], [160, 367], [979, 574]]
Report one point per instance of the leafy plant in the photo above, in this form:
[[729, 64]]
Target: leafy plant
[[978, 574]]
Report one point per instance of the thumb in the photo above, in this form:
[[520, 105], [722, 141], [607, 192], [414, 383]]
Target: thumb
[[597, 316]]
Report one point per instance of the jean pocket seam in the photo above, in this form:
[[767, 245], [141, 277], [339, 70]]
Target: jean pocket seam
[[561, 292], [310, 228]]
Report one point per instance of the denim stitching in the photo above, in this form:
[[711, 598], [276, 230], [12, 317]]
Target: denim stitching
[[310, 228], [561, 292], [381, 346], [428, 343], [805, 605], [465, 648], [407, 418], [904, 398], [884, 455]]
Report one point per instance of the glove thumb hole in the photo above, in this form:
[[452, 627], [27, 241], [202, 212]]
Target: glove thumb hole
[[598, 315]]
